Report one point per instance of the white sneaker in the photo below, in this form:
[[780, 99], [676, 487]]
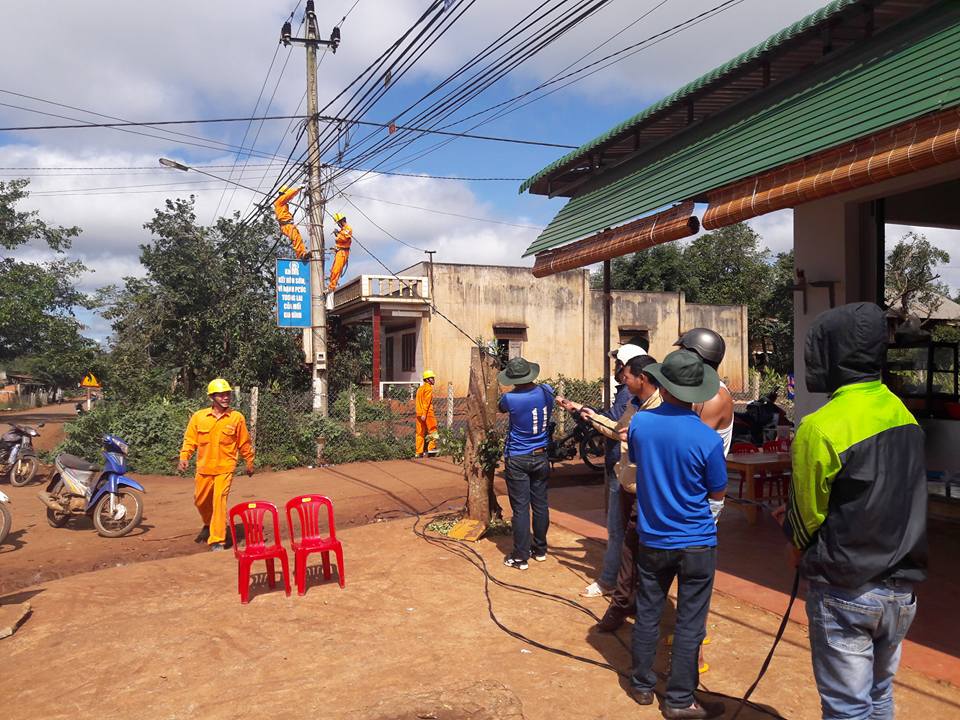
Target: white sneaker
[[540, 558], [594, 590]]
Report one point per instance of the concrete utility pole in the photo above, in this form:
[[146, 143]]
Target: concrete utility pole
[[318, 301]]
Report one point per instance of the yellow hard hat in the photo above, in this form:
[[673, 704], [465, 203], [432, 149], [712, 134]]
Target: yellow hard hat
[[218, 386], [428, 374], [337, 217], [282, 189]]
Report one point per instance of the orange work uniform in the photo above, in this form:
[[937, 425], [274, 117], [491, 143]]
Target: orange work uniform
[[285, 218], [340, 260], [218, 442], [426, 429]]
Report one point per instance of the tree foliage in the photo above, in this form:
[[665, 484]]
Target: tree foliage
[[724, 267], [913, 286], [205, 309], [38, 331]]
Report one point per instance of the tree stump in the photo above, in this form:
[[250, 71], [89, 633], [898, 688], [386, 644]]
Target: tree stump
[[482, 401]]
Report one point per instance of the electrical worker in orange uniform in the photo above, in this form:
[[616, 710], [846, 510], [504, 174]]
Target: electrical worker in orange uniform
[[219, 435], [426, 419], [340, 260], [285, 218]]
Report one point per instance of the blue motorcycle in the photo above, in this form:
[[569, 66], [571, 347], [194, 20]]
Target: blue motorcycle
[[110, 498]]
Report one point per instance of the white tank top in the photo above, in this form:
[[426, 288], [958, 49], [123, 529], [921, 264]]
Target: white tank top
[[726, 434]]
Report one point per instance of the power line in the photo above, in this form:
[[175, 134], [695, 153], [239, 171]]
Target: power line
[[322, 118], [437, 212], [152, 169]]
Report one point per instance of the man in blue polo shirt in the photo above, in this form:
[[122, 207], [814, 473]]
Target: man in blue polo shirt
[[525, 456], [681, 480]]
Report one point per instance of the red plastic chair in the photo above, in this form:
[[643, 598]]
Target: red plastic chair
[[742, 448], [251, 515], [311, 541], [780, 480]]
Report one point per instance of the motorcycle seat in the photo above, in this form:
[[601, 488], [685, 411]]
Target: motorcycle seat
[[75, 463]]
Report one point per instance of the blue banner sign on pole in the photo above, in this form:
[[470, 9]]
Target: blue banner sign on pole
[[293, 293]]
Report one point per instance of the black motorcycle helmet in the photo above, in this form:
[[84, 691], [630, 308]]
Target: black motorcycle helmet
[[705, 343]]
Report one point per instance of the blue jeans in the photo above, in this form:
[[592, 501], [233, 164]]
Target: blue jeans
[[855, 641], [656, 569], [615, 528], [527, 477]]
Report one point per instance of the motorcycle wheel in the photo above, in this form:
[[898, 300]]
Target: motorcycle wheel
[[23, 471], [114, 527], [592, 451], [54, 518], [5, 522]]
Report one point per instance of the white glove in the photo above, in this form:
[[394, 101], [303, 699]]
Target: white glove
[[715, 507]]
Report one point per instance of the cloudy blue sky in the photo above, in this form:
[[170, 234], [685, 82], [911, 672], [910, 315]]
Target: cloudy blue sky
[[179, 60]]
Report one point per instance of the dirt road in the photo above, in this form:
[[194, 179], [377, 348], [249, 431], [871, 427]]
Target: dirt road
[[409, 638], [35, 553]]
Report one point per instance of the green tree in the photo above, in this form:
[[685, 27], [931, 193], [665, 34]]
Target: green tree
[[205, 309], [38, 330], [656, 269], [912, 284]]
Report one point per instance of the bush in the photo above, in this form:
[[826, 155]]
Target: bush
[[153, 430], [367, 409]]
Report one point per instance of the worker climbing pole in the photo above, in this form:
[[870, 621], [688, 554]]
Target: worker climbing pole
[[344, 238], [285, 218]]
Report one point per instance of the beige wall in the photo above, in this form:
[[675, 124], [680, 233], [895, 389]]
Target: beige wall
[[564, 320]]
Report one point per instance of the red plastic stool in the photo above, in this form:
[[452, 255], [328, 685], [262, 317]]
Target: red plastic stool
[[311, 541], [251, 515]]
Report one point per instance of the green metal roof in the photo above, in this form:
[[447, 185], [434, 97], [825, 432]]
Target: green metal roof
[[893, 79], [750, 55]]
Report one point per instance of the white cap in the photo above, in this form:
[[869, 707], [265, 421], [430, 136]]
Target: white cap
[[626, 353]]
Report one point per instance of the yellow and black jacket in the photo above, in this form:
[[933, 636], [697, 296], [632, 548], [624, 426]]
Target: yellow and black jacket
[[858, 498]]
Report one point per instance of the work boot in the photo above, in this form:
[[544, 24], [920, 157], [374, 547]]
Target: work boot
[[697, 710], [612, 620], [642, 697], [203, 535]]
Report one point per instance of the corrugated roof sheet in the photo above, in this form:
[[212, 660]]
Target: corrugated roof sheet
[[750, 55], [884, 83]]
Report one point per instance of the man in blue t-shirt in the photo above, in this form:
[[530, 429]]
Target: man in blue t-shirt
[[681, 481], [525, 456]]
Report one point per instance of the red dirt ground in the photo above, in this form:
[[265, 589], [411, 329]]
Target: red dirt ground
[[160, 631]]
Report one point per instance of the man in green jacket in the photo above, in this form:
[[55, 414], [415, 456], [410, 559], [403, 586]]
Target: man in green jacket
[[857, 514]]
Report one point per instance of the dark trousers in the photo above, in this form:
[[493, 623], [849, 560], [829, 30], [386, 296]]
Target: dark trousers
[[527, 477], [624, 592], [656, 569]]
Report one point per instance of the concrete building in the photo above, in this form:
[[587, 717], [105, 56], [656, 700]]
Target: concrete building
[[556, 321]]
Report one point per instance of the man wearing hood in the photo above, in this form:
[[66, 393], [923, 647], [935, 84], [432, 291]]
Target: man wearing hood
[[857, 514]]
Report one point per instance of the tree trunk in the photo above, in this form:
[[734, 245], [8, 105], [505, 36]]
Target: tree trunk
[[482, 400]]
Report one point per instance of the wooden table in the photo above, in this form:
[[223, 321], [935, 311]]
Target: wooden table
[[748, 465]]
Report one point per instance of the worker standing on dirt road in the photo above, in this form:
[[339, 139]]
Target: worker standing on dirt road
[[285, 218], [344, 238], [219, 435], [426, 418], [527, 466]]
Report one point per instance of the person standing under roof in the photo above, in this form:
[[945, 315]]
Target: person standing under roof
[[857, 514], [218, 435], [717, 412], [616, 520], [681, 482], [527, 467]]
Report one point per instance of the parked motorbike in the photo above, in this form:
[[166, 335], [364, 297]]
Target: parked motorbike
[[18, 459], [109, 497], [758, 423], [582, 439], [5, 520]]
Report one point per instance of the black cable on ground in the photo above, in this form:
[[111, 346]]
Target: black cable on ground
[[463, 550]]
